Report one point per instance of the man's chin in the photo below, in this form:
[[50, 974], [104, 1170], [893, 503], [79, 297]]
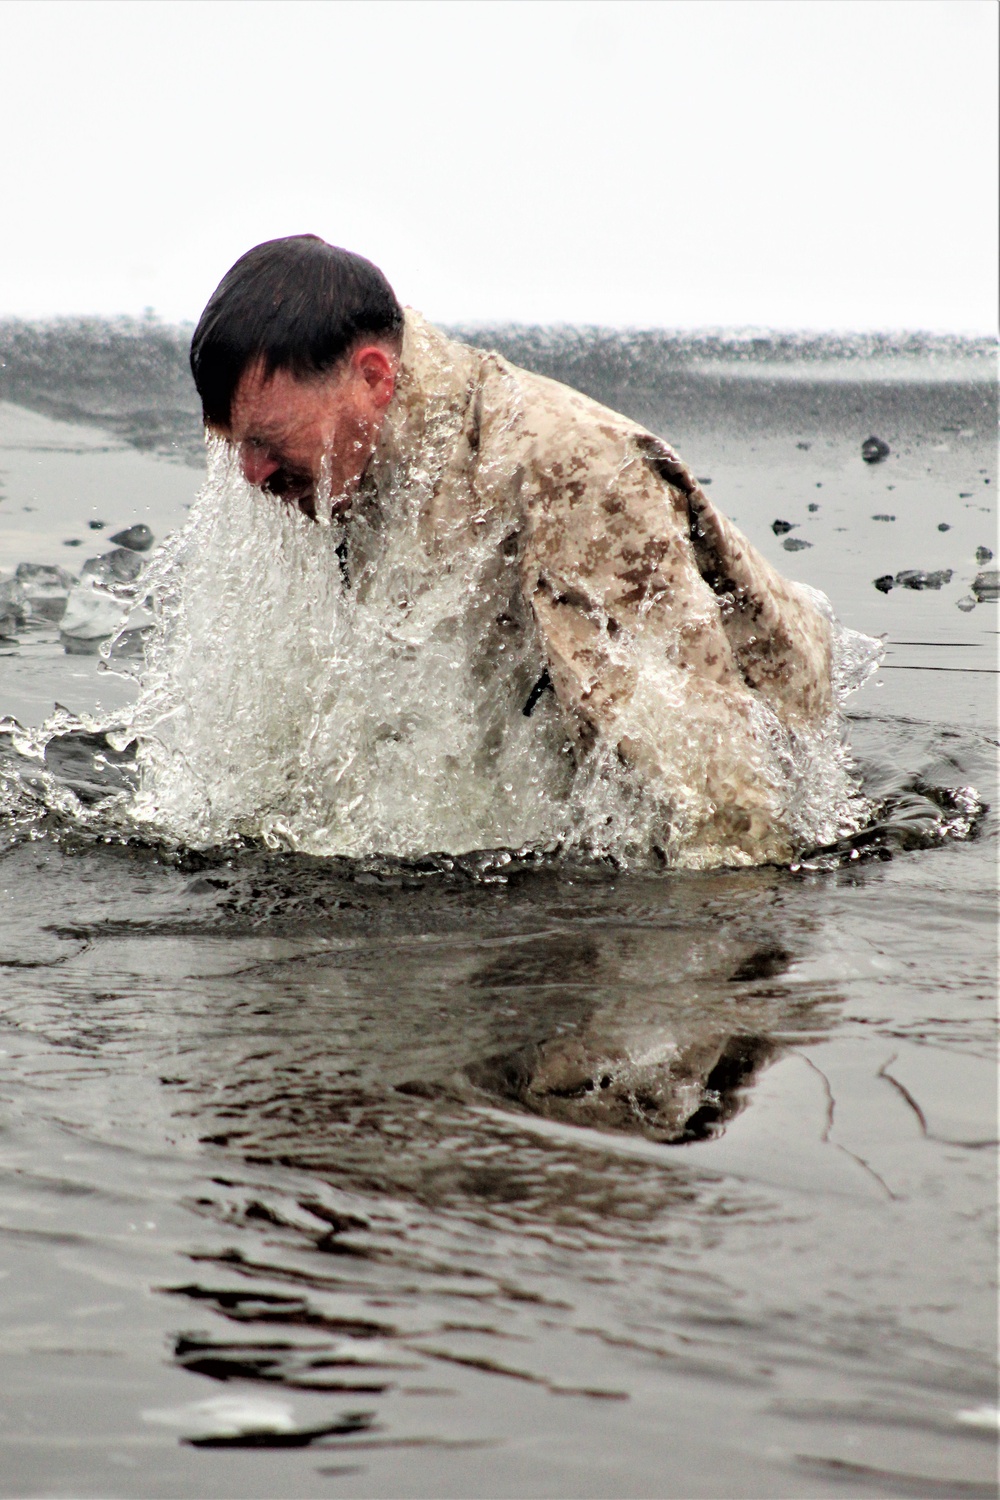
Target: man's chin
[[305, 502], [336, 508]]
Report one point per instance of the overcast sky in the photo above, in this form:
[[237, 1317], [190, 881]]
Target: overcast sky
[[671, 163]]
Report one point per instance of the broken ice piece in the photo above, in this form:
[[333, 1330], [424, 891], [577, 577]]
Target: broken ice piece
[[46, 588], [122, 565], [873, 450], [91, 614], [916, 578], [14, 609], [138, 538]]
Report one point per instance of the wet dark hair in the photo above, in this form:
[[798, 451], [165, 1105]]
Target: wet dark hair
[[297, 304]]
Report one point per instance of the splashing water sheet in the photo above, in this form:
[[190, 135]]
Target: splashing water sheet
[[393, 1103]]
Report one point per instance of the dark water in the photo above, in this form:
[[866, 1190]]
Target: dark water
[[519, 1179]]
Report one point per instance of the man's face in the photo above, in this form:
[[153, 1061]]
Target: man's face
[[309, 440]]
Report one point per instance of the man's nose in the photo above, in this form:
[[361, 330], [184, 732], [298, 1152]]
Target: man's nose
[[257, 464]]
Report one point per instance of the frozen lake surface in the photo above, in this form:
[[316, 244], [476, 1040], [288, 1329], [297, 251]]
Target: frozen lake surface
[[310, 1182]]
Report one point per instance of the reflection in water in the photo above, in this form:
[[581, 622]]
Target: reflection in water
[[361, 1059], [668, 1074], [647, 1084], [377, 1073], [349, 1063], [359, 1067]]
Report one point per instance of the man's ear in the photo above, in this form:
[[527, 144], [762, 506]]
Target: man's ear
[[372, 364]]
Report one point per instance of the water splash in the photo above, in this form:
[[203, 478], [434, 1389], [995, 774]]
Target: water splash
[[281, 707]]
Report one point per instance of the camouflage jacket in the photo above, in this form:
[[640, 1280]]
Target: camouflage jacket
[[665, 637]]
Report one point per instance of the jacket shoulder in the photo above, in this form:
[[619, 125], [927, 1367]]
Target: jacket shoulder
[[552, 411], [561, 425]]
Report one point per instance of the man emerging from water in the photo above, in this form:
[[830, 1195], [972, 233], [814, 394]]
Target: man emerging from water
[[614, 594]]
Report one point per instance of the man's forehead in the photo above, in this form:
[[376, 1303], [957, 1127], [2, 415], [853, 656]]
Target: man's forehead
[[266, 405]]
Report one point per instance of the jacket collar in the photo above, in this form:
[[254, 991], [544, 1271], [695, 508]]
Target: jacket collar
[[426, 415]]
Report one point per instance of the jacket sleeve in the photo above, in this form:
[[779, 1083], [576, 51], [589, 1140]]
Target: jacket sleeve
[[666, 635], [781, 643]]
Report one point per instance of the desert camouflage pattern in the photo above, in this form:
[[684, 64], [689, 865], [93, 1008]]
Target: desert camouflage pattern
[[660, 629]]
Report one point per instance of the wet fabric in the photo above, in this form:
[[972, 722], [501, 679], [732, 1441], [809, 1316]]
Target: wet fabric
[[664, 635]]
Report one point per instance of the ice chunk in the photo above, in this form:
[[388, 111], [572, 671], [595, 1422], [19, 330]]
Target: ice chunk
[[92, 614], [46, 588]]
